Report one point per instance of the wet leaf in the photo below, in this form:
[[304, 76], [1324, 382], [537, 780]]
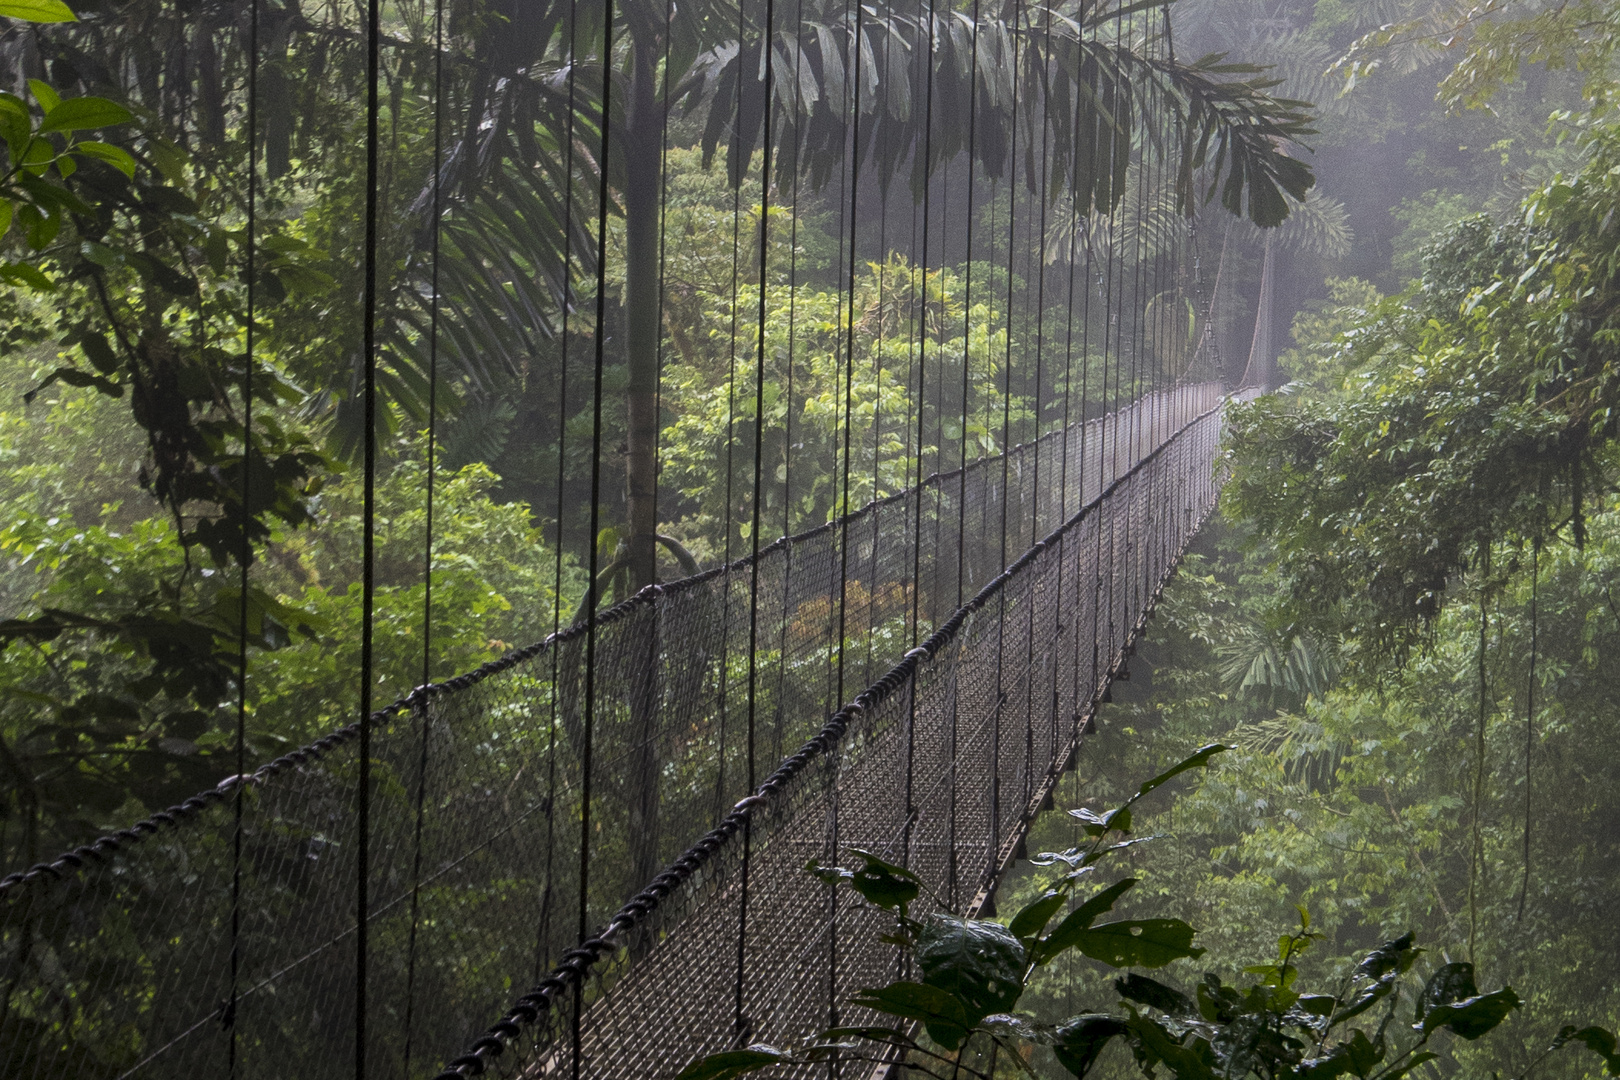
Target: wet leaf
[[1139, 942], [1146, 991], [1449, 983], [883, 883], [1069, 930], [724, 1066], [943, 1012], [981, 963], [1036, 914], [1080, 1039], [1473, 1016], [1198, 760], [1396, 955]]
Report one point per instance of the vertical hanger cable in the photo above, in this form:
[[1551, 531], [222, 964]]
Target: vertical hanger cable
[[1530, 712], [757, 503], [368, 539], [588, 742], [565, 339], [244, 556], [427, 542]]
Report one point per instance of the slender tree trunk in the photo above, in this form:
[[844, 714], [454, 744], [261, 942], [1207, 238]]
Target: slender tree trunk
[[644, 147]]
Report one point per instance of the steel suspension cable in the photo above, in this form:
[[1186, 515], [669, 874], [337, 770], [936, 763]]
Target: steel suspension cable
[[543, 928], [842, 640], [992, 848], [588, 743], [757, 504], [1530, 713], [427, 545], [740, 170], [962, 471], [244, 555], [368, 539], [921, 399]]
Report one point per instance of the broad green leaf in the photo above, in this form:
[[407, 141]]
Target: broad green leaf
[[31, 277], [1422, 1057], [1363, 1053], [48, 98], [1279, 975], [216, 249], [98, 352], [979, 962], [883, 883], [1317, 1004], [1199, 760], [943, 1012], [1146, 991], [112, 155], [1118, 819], [303, 279], [38, 11], [1069, 930], [1474, 1016], [730, 1063], [77, 114], [1390, 956], [1080, 1039], [1598, 1040], [830, 875], [1217, 1003], [5, 216], [1195, 1061], [1449, 983], [1139, 942], [1366, 999], [1036, 914], [1334, 1063], [170, 160], [37, 159]]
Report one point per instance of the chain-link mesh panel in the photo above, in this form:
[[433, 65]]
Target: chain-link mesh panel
[[218, 937], [940, 765]]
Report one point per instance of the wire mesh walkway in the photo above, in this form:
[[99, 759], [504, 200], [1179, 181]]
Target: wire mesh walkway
[[939, 766], [122, 956]]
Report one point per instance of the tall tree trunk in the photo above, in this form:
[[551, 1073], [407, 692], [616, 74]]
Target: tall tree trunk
[[644, 147]]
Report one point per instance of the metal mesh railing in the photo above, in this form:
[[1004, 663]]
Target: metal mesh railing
[[940, 764], [217, 937]]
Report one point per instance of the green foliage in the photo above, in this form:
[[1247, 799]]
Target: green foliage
[[1358, 799], [1422, 220], [119, 684], [1480, 410], [975, 973]]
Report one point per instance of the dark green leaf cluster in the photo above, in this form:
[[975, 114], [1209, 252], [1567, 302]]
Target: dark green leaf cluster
[[1095, 94], [1482, 409], [972, 973]]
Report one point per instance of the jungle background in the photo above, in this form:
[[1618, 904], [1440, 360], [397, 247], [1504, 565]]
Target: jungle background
[[1413, 660], [1404, 620]]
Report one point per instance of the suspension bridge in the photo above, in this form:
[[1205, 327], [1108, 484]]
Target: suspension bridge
[[587, 857]]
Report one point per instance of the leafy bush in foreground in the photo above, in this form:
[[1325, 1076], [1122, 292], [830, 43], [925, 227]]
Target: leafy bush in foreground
[[972, 973]]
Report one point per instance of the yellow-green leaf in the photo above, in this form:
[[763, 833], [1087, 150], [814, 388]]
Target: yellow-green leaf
[[38, 11], [112, 155], [77, 114], [48, 99]]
